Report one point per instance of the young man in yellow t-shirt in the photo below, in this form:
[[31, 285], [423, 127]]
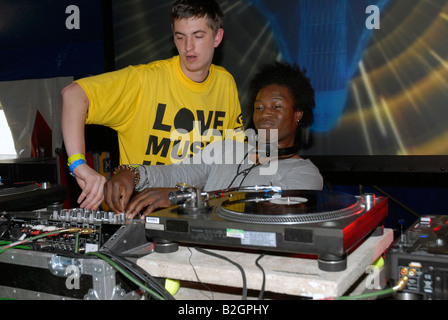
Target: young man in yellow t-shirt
[[163, 111]]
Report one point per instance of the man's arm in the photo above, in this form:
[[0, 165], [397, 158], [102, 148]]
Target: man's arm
[[75, 105]]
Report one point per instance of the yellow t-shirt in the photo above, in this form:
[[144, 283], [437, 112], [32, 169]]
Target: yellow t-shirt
[[146, 103]]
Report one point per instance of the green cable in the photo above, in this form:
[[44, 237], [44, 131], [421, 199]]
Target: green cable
[[18, 243], [77, 242], [16, 247], [112, 263], [122, 271], [367, 295]]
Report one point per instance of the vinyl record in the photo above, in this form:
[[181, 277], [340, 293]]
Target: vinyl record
[[290, 206], [7, 189]]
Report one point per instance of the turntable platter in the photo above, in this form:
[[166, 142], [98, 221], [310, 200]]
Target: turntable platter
[[7, 190], [30, 196], [292, 207]]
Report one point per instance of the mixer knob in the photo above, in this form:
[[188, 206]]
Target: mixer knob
[[86, 215]]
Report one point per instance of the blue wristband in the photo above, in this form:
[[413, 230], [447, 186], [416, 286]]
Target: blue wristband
[[75, 164]]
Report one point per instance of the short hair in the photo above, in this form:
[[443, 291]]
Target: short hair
[[292, 77], [185, 9]]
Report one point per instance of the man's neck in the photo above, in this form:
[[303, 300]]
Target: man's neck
[[196, 76]]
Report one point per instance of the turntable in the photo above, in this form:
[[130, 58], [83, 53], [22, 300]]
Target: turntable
[[15, 196], [323, 224]]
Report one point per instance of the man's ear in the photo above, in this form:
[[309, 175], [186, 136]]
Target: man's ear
[[218, 37]]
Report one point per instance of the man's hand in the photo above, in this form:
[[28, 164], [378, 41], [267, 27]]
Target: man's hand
[[151, 199], [92, 185], [118, 191]]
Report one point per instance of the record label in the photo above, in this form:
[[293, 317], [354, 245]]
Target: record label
[[288, 201]]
